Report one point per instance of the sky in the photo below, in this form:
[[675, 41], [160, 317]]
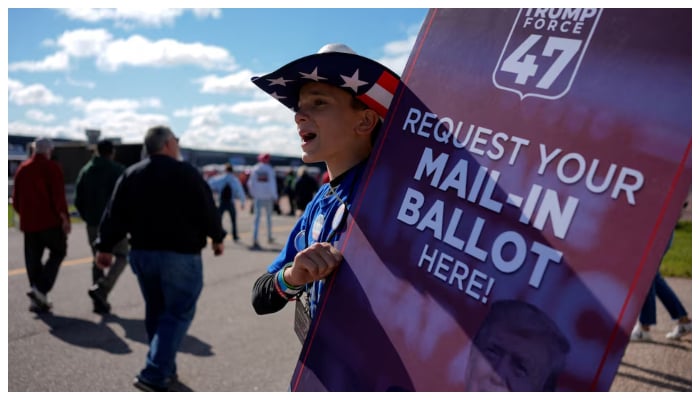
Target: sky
[[122, 71]]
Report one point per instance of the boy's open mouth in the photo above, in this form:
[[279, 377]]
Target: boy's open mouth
[[307, 137]]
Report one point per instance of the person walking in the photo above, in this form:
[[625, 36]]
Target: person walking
[[647, 317], [262, 185], [289, 180], [39, 197], [227, 186], [93, 188], [305, 187], [168, 210]]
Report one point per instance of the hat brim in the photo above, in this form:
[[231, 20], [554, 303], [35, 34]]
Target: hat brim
[[369, 81]]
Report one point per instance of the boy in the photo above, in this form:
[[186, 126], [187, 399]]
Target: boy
[[339, 99]]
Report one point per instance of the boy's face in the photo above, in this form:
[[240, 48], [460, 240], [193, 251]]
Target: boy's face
[[326, 123]]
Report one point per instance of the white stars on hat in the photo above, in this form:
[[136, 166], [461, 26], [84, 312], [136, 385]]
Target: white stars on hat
[[279, 81], [353, 82], [313, 75], [276, 96], [337, 66]]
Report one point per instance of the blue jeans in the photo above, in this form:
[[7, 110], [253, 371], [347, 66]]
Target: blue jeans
[[668, 297], [170, 284], [261, 205]]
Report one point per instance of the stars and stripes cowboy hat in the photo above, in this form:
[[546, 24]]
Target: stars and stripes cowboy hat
[[336, 64]]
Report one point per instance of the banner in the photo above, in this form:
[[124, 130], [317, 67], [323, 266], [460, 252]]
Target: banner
[[516, 207]]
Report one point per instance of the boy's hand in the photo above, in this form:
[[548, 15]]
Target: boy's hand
[[313, 263]]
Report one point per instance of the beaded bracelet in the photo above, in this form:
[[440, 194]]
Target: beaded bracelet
[[284, 281], [279, 291], [283, 287]]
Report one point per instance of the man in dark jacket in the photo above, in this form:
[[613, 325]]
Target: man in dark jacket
[[168, 210], [92, 192]]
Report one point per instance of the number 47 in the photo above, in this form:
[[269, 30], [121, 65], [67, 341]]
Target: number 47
[[524, 65]]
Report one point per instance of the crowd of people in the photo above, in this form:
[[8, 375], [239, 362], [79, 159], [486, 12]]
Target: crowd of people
[[141, 216]]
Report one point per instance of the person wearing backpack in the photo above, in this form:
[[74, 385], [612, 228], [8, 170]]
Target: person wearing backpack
[[227, 186]]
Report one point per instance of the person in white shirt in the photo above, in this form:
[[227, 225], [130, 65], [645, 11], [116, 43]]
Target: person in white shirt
[[228, 187], [262, 187]]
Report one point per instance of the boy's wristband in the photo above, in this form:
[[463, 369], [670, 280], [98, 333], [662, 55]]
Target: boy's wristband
[[284, 281], [282, 287]]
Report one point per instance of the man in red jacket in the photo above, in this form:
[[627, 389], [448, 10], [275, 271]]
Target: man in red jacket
[[40, 200]]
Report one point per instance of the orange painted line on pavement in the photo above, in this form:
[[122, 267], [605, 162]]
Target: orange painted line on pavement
[[77, 261], [86, 260]]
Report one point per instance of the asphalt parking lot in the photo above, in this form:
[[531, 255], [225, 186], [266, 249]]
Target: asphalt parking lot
[[228, 347]]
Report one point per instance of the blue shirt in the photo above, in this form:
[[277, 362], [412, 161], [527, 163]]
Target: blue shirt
[[218, 182], [322, 221]]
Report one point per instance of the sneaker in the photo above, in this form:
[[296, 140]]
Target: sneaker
[[271, 240], [255, 246], [39, 301], [640, 335], [147, 387], [99, 300], [680, 330], [98, 308], [38, 308]]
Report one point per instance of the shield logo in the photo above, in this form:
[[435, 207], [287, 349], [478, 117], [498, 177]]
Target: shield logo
[[544, 50]]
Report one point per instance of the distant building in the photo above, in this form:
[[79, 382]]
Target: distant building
[[73, 154]]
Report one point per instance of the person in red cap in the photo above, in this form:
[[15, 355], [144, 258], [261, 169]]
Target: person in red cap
[[262, 186], [339, 100]]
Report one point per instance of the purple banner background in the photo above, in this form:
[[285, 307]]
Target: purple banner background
[[389, 324]]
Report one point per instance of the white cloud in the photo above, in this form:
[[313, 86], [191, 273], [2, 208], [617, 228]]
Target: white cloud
[[139, 51], [259, 124], [85, 84], [226, 84], [126, 17], [116, 117], [136, 50], [250, 126], [206, 121], [56, 62], [276, 139], [396, 53], [203, 13], [113, 105], [84, 42], [53, 131], [257, 111], [264, 111], [129, 18], [13, 84], [39, 116], [130, 126], [32, 94], [208, 109]]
